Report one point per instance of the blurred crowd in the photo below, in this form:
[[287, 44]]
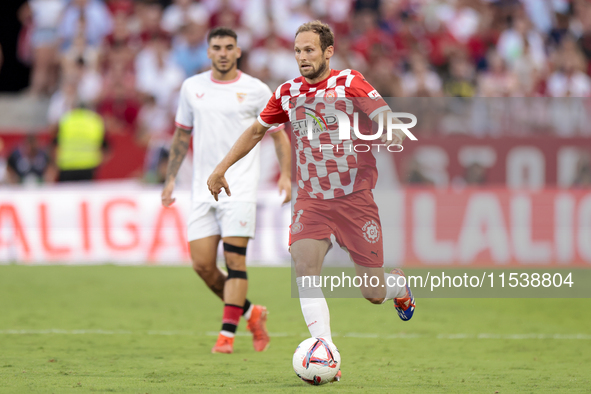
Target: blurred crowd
[[126, 59], [113, 49]]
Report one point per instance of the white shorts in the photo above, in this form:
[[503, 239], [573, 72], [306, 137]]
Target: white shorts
[[225, 218]]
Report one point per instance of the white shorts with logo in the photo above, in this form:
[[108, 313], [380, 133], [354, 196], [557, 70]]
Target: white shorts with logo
[[225, 218]]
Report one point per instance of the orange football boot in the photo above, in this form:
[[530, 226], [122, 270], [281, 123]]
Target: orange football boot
[[257, 325], [223, 345], [337, 377]]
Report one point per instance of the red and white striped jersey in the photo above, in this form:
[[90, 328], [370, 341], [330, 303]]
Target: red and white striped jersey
[[341, 170]]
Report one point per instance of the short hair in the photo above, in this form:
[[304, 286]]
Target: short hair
[[221, 32], [322, 29]]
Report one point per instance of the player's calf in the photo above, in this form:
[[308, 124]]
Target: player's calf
[[374, 288], [213, 277], [375, 301]]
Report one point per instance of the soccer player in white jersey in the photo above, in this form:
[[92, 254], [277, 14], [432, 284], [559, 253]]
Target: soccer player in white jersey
[[334, 189], [215, 106]]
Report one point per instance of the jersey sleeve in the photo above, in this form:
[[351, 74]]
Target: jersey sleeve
[[368, 99], [265, 94], [184, 112], [273, 113]]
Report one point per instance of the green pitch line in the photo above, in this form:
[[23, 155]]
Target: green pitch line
[[150, 329]]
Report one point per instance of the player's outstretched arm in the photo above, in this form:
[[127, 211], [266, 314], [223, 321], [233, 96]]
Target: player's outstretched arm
[[178, 150], [248, 140], [283, 150]]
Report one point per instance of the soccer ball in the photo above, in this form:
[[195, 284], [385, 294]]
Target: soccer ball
[[316, 361]]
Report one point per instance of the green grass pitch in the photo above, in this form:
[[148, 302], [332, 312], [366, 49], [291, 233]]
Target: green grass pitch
[[150, 330]]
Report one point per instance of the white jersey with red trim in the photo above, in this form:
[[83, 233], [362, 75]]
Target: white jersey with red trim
[[328, 173], [218, 112]]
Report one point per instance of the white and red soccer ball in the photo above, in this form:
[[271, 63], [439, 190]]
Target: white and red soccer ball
[[316, 361]]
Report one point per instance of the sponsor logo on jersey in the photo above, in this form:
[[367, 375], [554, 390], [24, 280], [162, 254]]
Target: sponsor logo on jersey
[[317, 122], [243, 224], [199, 95], [371, 232], [240, 97], [373, 94]]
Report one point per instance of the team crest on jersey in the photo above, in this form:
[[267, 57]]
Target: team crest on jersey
[[371, 232], [330, 96], [240, 97], [296, 228]]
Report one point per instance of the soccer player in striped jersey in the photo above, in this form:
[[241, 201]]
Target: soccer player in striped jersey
[[334, 185]]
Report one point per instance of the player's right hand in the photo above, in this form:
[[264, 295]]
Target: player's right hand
[[215, 183], [167, 199]]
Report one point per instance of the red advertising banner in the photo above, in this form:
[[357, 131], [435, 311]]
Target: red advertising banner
[[480, 227], [476, 227], [119, 223]]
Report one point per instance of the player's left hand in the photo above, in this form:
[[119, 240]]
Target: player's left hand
[[284, 185], [215, 183], [397, 138]]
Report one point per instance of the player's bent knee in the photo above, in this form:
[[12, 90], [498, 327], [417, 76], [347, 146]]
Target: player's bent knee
[[235, 257], [203, 268], [304, 267]]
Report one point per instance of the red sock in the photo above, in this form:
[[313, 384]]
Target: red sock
[[231, 318]]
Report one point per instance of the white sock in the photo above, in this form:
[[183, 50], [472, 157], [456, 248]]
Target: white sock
[[248, 312], [393, 290], [314, 307]]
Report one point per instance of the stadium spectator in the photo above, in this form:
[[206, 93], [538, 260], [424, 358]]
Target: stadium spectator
[[182, 13], [498, 80], [461, 18], [154, 132], [120, 110], [62, 101], [275, 57], [461, 78], [80, 144], [119, 71], [89, 80], [42, 17], [387, 82], [120, 6], [569, 78], [530, 74], [584, 39], [79, 51], [348, 58], [420, 81], [88, 18], [27, 163], [121, 36], [190, 50], [149, 15], [512, 43], [156, 72]]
